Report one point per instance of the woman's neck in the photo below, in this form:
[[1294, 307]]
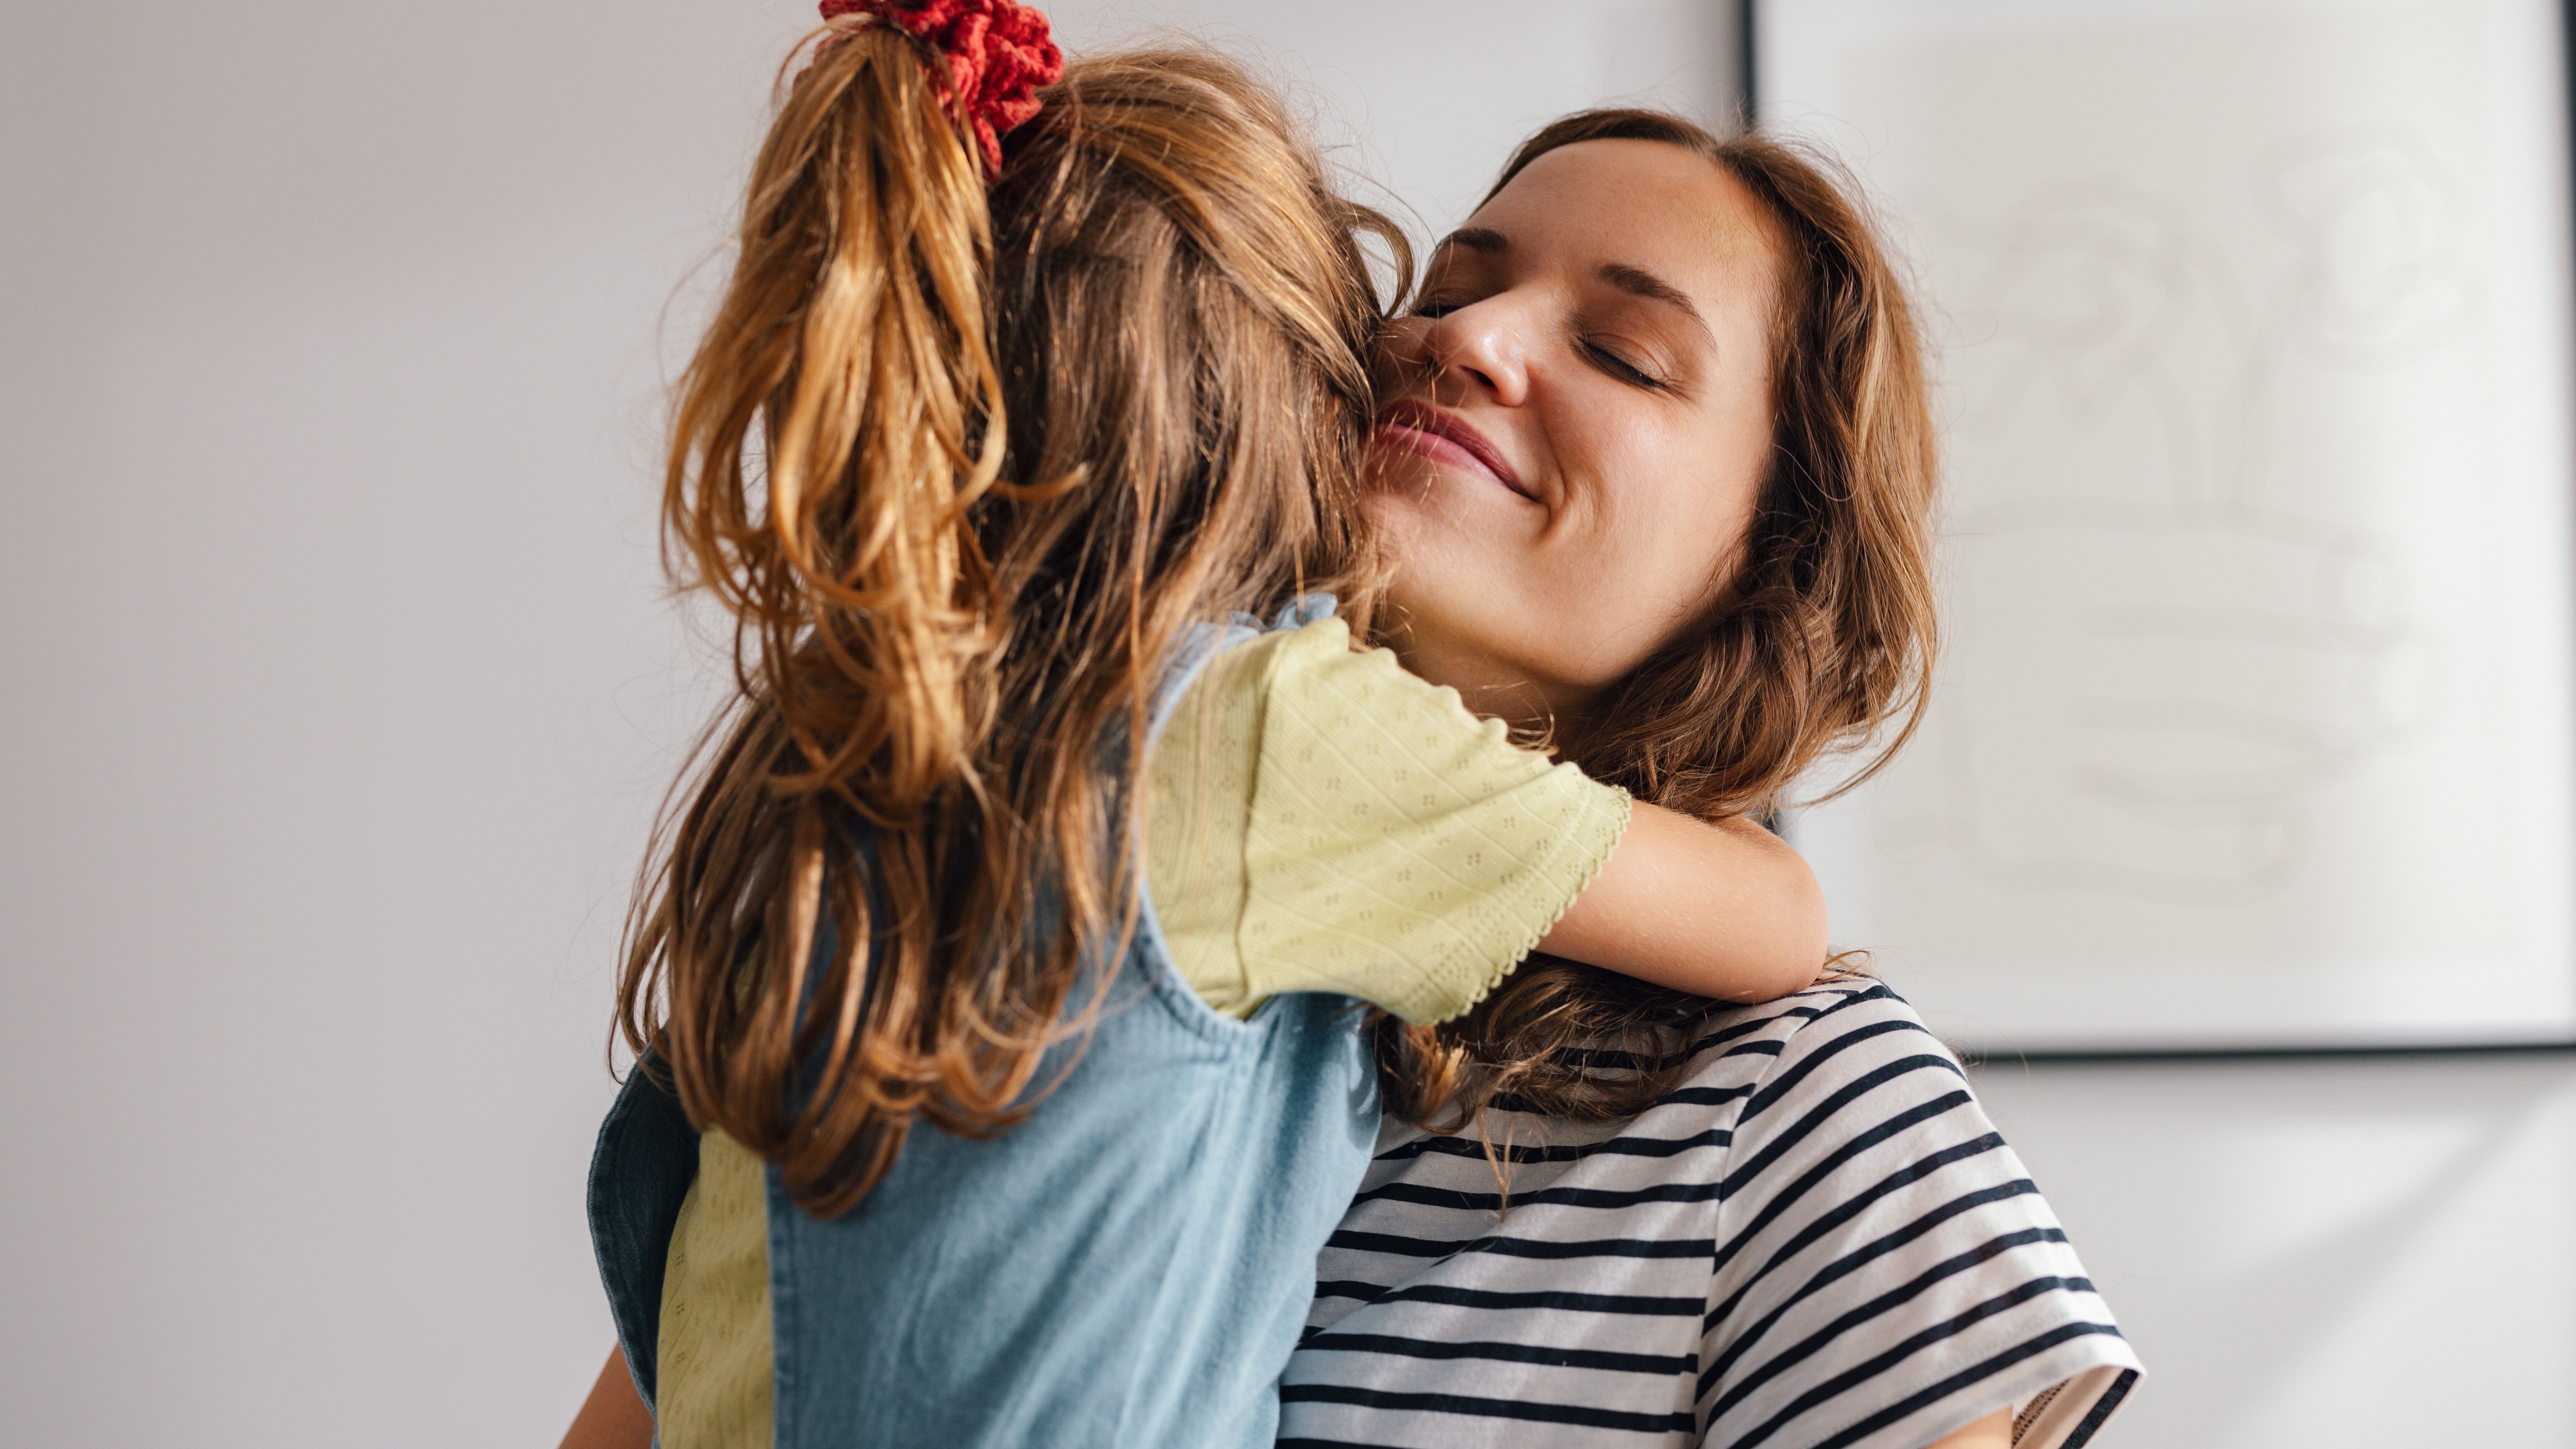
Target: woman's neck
[[1495, 689]]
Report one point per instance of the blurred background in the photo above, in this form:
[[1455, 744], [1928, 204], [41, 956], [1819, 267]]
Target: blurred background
[[339, 685]]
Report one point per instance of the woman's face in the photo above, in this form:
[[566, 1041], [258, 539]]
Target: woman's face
[[1576, 422]]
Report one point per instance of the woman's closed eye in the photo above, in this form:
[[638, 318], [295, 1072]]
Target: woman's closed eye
[[1610, 360]]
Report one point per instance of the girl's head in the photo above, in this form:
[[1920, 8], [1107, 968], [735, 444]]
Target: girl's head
[[1656, 470], [1682, 510], [964, 460]]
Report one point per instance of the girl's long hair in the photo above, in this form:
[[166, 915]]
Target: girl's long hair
[[1819, 646], [963, 464]]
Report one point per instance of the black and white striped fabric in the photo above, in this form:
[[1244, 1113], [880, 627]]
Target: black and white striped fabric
[[1817, 1241]]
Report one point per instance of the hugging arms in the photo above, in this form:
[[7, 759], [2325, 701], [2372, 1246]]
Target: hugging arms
[[940, 1133]]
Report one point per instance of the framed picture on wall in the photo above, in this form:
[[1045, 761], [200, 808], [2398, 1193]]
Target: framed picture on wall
[[2255, 324]]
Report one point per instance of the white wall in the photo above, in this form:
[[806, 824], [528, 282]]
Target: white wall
[[338, 689], [2321, 1254], [1424, 98]]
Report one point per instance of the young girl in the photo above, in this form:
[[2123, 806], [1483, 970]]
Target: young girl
[[1009, 832]]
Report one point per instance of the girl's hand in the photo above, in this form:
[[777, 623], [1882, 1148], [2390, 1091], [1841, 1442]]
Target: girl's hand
[[614, 1416]]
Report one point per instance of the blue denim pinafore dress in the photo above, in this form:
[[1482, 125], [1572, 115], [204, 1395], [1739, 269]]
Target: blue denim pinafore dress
[[1129, 1268]]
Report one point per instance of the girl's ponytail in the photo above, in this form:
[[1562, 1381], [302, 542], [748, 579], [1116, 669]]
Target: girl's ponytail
[[840, 419], [854, 338]]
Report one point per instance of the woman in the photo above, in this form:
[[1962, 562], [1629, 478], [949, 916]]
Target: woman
[[1657, 473]]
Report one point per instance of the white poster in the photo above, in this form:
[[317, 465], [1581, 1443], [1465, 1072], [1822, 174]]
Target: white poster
[[2254, 333]]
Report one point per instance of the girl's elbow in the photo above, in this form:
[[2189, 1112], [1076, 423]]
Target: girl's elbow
[[1808, 947], [1795, 974], [1787, 970]]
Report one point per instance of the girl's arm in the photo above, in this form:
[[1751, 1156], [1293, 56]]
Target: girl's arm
[[1326, 821], [1724, 910], [614, 1416]]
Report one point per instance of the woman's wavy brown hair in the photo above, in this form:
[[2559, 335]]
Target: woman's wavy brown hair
[[1818, 646], [963, 465]]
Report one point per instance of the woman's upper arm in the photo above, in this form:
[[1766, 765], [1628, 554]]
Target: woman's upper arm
[[1994, 1431], [1884, 1266]]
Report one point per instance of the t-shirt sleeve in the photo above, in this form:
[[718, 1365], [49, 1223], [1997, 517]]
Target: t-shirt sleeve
[[1886, 1272], [1401, 849], [1393, 846]]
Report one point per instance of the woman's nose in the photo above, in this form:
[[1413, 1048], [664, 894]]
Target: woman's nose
[[1480, 349]]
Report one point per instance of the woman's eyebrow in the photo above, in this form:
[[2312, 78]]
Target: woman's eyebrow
[[1481, 239], [1638, 282]]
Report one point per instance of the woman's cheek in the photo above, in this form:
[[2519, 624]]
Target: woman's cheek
[[1408, 529], [1438, 574]]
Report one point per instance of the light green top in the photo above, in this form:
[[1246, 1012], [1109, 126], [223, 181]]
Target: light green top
[[1321, 820], [713, 1355], [1317, 820]]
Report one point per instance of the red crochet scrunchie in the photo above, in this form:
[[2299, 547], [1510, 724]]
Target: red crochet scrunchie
[[998, 54]]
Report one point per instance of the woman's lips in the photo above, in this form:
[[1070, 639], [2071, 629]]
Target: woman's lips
[[1443, 437]]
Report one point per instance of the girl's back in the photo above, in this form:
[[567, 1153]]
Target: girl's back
[[1130, 1266], [969, 467]]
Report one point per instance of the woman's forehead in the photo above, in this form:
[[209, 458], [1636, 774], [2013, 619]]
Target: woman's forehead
[[1644, 204]]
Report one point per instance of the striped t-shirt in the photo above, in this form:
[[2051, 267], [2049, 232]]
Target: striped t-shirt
[[1817, 1240]]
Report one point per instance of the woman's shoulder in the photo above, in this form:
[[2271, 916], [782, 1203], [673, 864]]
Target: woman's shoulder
[[1885, 1267], [1838, 1003], [1821, 1038], [1813, 1236], [1750, 1075]]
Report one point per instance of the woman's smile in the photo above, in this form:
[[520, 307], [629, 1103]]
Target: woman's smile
[[1441, 436]]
